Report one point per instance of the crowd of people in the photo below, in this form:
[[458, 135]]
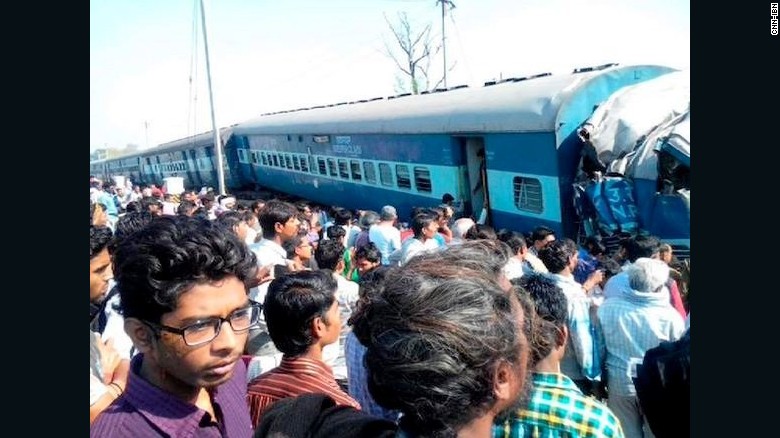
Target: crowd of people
[[266, 318]]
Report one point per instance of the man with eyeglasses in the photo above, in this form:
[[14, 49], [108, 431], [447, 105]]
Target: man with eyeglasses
[[183, 291]]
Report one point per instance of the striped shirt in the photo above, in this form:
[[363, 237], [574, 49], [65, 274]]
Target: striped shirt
[[559, 409], [144, 410], [293, 377]]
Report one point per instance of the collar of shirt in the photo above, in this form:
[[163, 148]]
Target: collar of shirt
[[170, 414], [302, 365], [554, 380]]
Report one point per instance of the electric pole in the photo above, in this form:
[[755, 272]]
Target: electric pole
[[444, 3]]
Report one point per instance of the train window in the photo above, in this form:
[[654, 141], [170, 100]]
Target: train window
[[386, 174], [254, 157], [263, 158], [304, 164], [422, 179], [355, 170], [528, 194], [368, 169], [288, 160], [242, 156], [296, 163], [402, 171], [343, 169], [312, 164], [332, 167], [321, 165], [276, 160]]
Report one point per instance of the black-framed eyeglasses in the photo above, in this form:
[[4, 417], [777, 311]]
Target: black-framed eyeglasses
[[206, 330]]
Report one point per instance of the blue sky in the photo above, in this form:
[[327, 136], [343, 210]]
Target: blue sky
[[275, 55]]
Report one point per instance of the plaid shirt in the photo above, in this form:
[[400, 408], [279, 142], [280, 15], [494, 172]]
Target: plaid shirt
[[558, 409]]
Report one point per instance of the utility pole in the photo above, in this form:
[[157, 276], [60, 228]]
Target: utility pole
[[217, 142], [444, 3]]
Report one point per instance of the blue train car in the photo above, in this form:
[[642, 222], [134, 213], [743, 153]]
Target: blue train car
[[192, 158], [509, 147]]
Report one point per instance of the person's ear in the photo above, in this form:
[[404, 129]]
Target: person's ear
[[318, 327], [141, 334], [504, 381]]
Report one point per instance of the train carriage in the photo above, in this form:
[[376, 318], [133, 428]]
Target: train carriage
[[510, 147]]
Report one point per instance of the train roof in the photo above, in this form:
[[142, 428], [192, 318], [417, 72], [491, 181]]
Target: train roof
[[182, 143], [512, 105]]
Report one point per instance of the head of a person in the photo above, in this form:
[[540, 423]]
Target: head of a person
[[542, 236], [191, 196], [642, 246], [665, 253], [515, 240], [447, 199], [337, 233], [342, 216], [234, 222], [97, 214], [447, 354], [304, 208], [227, 202], [301, 309], [595, 246], [298, 247], [279, 219], [152, 204], [610, 267], [180, 281], [484, 256], [550, 305], [186, 208], [367, 257], [132, 206], [425, 225], [388, 213], [559, 255], [257, 206], [99, 262], [128, 224], [368, 219], [481, 231], [647, 275], [460, 227], [207, 200], [371, 284], [329, 254]]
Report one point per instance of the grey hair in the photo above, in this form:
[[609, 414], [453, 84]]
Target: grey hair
[[461, 226], [647, 275]]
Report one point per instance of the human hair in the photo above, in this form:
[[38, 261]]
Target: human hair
[[461, 226], [229, 220], [515, 240], [336, 232], [647, 275], [342, 216], [148, 201], [487, 256], [132, 207], [540, 233], [370, 285], [292, 303], [255, 205], [99, 238], [481, 231], [551, 310], [201, 213], [369, 252], [329, 253], [186, 207], [447, 198], [556, 254], [291, 245], [170, 256], [420, 221], [129, 224], [594, 245], [433, 353], [275, 211], [369, 218], [642, 246]]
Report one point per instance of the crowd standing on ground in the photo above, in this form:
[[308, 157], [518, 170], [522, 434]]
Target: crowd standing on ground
[[215, 317]]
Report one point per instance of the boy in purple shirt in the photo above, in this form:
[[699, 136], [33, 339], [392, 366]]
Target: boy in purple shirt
[[183, 286]]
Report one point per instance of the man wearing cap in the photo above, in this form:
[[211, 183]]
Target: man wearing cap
[[384, 234]]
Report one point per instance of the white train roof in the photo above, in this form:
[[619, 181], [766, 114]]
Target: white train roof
[[529, 105]]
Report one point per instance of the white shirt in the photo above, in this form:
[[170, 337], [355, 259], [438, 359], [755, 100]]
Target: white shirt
[[269, 252], [387, 239]]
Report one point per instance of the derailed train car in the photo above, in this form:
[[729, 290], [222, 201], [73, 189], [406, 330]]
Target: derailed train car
[[510, 148]]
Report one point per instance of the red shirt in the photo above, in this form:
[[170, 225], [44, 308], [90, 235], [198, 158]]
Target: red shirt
[[293, 377]]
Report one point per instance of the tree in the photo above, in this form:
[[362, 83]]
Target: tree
[[417, 50]]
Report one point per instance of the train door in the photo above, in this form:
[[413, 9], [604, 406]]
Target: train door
[[477, 198]]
